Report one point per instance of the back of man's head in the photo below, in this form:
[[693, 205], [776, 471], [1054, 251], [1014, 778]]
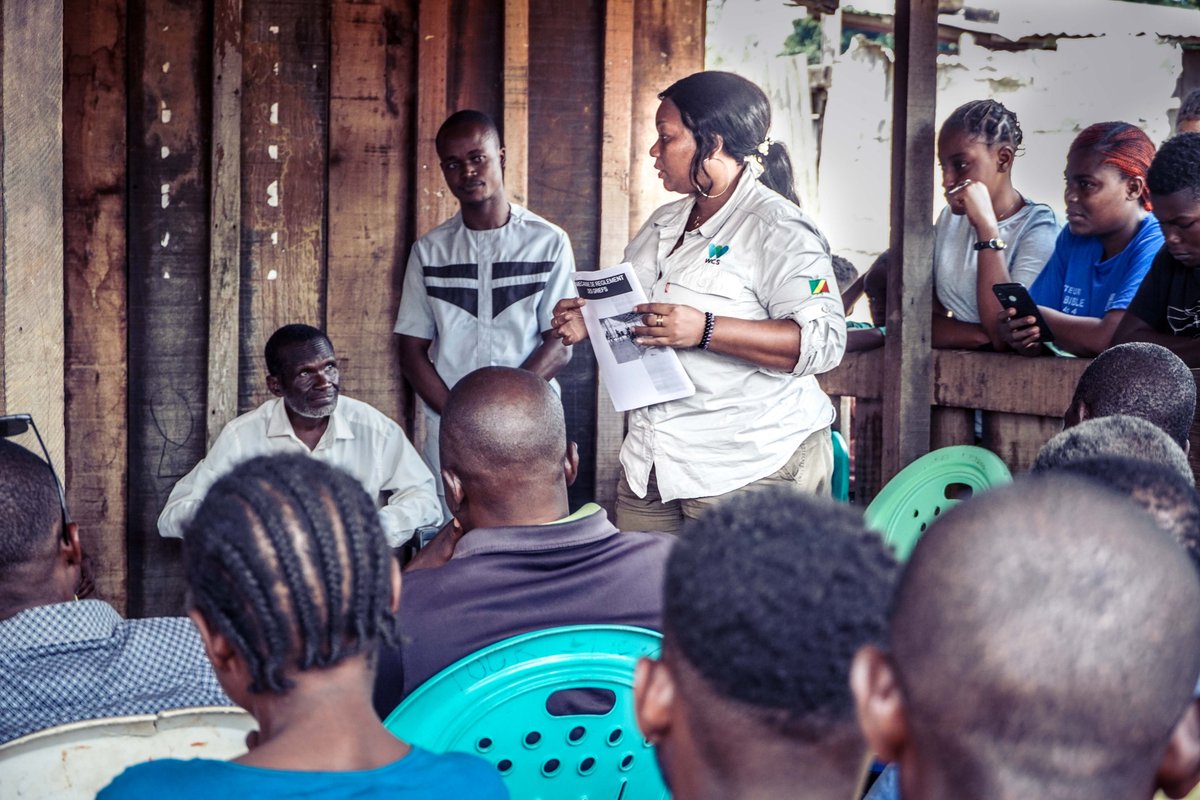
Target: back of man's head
[[1118, 435], [767, 597], [1046, 641], [1159, 489], [503, 428], [30, 514], [286, 337], [1140, 379]]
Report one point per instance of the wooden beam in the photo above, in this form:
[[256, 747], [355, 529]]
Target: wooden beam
[[1005, 382], [224, 264], [434, 203], [516, 100], [31, 217], [615, 158], [94, 181], [908, 376], [285, 48], [168, 274], [371, 104]]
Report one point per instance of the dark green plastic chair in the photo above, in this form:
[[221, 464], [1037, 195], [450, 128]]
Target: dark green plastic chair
[[924, 489], [841, 469], [493, 704]]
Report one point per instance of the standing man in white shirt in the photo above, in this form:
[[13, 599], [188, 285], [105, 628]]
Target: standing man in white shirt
[[309, 416], [481, 287]]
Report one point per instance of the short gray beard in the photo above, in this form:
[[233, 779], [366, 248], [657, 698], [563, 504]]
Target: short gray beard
[[317, 413]]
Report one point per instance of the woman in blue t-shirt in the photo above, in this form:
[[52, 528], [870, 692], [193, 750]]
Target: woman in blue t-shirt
[[293, 587], [1104, 251]]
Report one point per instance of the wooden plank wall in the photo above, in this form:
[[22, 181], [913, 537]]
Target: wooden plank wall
[[238, 165], [1023, 400], [96, 284], [31, 217]]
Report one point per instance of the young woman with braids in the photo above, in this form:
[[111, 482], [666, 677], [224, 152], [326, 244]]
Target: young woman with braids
[[989, 232], [741, 286], [1105, 250], [293, 587]]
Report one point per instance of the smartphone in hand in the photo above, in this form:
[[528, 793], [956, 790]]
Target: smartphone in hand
[[1015, 295]]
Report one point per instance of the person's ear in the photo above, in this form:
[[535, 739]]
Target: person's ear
[[274, 385], [502, 158], [395, 581], [571, 463], [878, 703], [1179, 771], [1004, 157], [1135, 188], [218, 649], [454, 490], [1076, 413], [653, 698], [69, 548], [718, 148]]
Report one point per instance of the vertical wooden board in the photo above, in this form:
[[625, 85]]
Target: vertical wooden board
[[1017, 438], [371, 134], [516, 99], [285, 67], [615, 161], [476, 72], [31, 216], [94, 113], [225, 218], [169, 47], [868, 455], [668, 44], [566, 121], [433, 202], [949, 426], [909, 392]]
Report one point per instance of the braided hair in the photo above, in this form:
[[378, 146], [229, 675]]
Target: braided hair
[[286, 559], [989, 121], [1127, 148], [720, 104]]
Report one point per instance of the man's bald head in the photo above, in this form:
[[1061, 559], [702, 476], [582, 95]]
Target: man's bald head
[[1046, 634], [502, 428]]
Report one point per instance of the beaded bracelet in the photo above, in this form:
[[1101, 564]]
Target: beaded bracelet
[[710, 319]]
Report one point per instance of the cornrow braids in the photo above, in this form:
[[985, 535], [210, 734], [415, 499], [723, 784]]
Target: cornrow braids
[[1127, 148], [286, 559], [989, 121]]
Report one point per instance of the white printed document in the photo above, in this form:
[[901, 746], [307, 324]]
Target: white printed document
[[634, 375]]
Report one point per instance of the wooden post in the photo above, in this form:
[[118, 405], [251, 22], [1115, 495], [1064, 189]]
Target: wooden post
[[516, 100], [285, 51], [31, 217], [225, 264], [370, 134], [614, 215], [94, 180], [908, 377], [434, 201]]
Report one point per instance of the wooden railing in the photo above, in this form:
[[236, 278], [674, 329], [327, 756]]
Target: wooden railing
[[1022, 401]]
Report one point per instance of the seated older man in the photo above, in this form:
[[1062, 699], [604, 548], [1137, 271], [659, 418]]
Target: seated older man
[[309, 416]]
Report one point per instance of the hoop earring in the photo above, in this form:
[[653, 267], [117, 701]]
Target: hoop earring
[[704, 194]]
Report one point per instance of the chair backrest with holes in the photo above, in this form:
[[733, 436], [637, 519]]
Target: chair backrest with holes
[[923, 490], [552, 710]]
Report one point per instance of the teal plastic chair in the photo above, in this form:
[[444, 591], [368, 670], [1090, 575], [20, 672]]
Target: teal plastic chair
[[494, 704], [924, 489], [841, 469]]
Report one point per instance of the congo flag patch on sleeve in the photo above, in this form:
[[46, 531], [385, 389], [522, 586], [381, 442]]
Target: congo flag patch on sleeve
[[818, 286]]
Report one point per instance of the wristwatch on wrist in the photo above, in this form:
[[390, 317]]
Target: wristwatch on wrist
[[991, 244]]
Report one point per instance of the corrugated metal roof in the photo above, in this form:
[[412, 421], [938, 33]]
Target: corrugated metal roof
[[1020, 19]]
